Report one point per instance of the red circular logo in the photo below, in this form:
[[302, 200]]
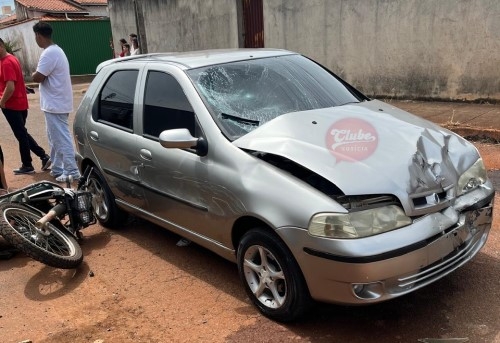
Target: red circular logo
[[351, 139]]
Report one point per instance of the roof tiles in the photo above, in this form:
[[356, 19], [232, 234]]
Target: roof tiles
[[6, 20], [49, 5], [92, 2], [59, 5]]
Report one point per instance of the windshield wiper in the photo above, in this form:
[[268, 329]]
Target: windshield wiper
[[240, 119], [350, 102]]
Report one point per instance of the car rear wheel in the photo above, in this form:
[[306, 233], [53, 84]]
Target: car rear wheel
[[271, 276], [103, 202]]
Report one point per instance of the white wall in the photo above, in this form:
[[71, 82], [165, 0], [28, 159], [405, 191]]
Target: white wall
[[24, 37]]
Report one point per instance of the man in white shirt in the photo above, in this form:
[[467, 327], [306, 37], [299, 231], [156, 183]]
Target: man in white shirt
[[56, 101]]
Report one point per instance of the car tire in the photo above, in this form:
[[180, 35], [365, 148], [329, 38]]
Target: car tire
[[103, 201], [271, 276]]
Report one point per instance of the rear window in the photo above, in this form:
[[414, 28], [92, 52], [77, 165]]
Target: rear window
[[116, 101]]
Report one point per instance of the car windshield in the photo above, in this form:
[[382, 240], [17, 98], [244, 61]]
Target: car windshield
[[244, 95]]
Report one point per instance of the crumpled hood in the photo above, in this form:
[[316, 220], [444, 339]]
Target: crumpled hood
[[367, 148]]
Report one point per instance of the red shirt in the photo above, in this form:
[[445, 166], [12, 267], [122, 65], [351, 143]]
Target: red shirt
[[10, 70]]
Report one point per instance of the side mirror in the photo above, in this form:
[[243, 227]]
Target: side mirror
[[182, 139]]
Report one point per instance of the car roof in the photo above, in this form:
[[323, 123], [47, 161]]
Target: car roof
[[201, 58]]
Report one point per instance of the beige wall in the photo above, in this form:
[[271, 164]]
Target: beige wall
[[180, 25], [447, 49], [441, 49]]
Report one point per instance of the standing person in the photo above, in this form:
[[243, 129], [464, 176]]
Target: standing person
[[134, 49], [126, 50], [122, 44], [56, 101], [14, 104]]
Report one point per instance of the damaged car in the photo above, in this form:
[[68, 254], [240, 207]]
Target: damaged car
[[272, 161]]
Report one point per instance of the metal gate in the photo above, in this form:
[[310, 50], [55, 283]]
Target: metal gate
[[253, 21], [86, 43]]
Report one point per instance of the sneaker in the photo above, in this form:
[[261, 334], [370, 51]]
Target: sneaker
[[63, 178], [24, 170], [54, 175], [46, 162]]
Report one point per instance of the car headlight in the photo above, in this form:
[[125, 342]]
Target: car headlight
[[472, 178], [358, 224]]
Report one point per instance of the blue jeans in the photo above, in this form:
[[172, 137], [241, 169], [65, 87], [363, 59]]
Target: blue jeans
[[62, 152]]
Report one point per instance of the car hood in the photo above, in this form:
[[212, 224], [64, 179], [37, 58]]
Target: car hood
[[367, 148]]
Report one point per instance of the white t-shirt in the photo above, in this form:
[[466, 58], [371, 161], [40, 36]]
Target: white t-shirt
[[56, 93], [134, 51]]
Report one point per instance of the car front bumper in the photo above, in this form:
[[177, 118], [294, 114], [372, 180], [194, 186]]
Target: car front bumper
[[361, 271]]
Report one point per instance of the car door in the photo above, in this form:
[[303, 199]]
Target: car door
[[176, 181], [112, 137]]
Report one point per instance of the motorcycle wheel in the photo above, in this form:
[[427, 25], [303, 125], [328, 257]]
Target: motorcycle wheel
[[58, 249]]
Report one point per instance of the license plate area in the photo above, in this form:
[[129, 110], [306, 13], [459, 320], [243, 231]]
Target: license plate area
[[470, 224]]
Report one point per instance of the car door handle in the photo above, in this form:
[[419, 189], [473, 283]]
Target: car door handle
[[146, 154], [94, 135]]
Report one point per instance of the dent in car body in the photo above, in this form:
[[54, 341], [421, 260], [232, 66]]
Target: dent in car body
[[400, 168]]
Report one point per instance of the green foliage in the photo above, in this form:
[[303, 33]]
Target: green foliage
[[11, 46]]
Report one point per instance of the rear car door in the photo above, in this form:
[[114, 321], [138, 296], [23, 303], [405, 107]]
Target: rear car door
[[112, 137]]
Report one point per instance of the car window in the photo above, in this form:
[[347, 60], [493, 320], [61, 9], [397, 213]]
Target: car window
[[165, 106], [116, 101], [246, 94]]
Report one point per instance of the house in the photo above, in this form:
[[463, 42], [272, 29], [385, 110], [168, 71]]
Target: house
[[78, 25], [61, 9]]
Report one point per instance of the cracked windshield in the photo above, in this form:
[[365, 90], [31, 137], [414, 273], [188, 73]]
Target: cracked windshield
[[244, 95]]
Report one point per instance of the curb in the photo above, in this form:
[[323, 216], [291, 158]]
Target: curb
[[474, 133]]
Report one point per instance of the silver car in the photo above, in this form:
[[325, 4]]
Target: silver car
[[272, 161]]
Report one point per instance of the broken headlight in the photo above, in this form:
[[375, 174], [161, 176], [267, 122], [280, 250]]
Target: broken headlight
[[472, 178], [358, 224]]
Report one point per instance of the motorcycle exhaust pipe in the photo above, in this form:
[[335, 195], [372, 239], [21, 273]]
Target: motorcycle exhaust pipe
[[42, 223]]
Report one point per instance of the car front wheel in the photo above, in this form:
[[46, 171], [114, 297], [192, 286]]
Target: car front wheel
[[103, 202], [271, 276]]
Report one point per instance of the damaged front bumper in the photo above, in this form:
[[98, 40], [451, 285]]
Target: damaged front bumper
[[378, 268]]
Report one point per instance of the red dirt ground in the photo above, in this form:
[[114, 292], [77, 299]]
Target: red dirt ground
[[144, 288]]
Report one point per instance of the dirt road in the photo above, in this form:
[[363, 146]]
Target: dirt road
[[136, 285]]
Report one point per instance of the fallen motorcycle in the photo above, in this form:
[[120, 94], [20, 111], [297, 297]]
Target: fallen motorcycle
[[44, 220]]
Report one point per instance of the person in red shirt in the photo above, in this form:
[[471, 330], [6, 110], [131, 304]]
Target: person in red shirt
[[122, 43], [14, 105]]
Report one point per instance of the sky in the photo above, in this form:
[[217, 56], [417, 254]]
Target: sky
[[7, 3]]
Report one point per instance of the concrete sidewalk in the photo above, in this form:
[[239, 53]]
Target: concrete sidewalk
[[467, 119]]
